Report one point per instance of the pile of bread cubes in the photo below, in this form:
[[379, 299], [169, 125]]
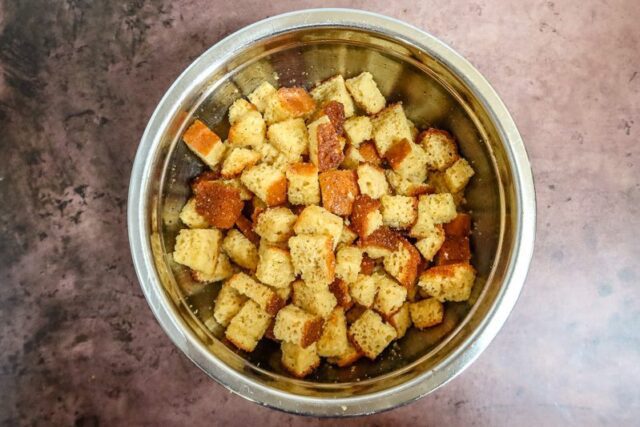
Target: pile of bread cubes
[[330, 219]]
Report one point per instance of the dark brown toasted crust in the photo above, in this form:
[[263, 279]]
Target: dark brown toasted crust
[[330, 153], [246, 227], [269, 332], [396, 154], [256, 210], [340, 289], [275, 304], [296, 101], [218, 203], [454, 250], [363, 205], [367, 265], [312, 332], [460, 226], [277, 193], [200, 138], [207, 175], [410, 272], [354, 313], [335, 111], [369, 153], [339, 189], [383, 237]]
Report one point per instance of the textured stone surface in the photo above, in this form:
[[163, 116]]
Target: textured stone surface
[[78, 82]]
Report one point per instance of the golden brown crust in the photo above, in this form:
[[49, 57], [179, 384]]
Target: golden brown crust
[[347, 360], [207, 175], [246, 227], [454, 250], [269, 332], [447, 270], [331, 260], [335, 111], [306, 169], [312, 332], [354, 313], [362, 207], [238, 344], [277, 192], [410, 272], [384, 238], [369, 153], [275, 304], [433, 131], [303, 373], [396, 154], [339, 189], [218, 203], [200, 138], [340, 289], [296, 101], [460, 226], [367, 265], [330, 153]]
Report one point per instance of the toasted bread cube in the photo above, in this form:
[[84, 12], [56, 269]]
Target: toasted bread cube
[[390, 295], [240, 249], [442, 207], [348, 358], [224, 270], [325, 150], [340, 290], [314, 298], [228, 303], [276, 224], [457, 176], [431, 243], [365, 93], [204, 143], [198, 249], [296, 326], [248, 326], [269, 154], [304, 186], [426, 313], [335, 112], [239, 108], [284, 293], [460, 226], [261, 95], [299, 361], [372, 181], [266, 182], [348, 260], [238, 160], [408, 160], [368, 265], [339, 189], [366, 217], [352, 158], [244, 192], [334, 89], [440, 148], [403, 264], [381, 243], [334, 341], [274, 266], [263, 295], [190, 216], [370, 334], [363, 290], [248, 131], [401, 320], [369, 153], [313, 258], [290, 138], [399, 211], [452, 282], [218, 203], [317, 220], [454, 250], [389, 126], [405, 187], [348, 236], [358, 129], [288, 103]]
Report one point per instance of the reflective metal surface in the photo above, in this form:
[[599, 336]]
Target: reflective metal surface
[[437, 87]]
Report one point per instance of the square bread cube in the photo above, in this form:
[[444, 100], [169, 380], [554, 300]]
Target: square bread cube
[[296, 326], [218, 203], [441, 207], [363, 290], [390, 296], [248, 326], [248, 131], [288, 103], [190, 216], [431, 243], [325, 149], [381, 243], [304, 185], [244, 192], [460, 226], [237, 160], [352, 158], [390, 125], [313, 258], [454, 250], [228, 303], [299, 361], [224, 270], [348, 260], [457, 176], [452, 282], [263, 295], [261, 95], [266, 182], [290, 138], [340, 289], [334, 340], [399, 211], [403, 264], [369, 153], [276, 224], [346, 359], [372, 181], [334, 89], [426, 313], [198, 249], [284, 293], [358, 129], [405, 187], [365, 93], [316, 299], [274, 266], [339, 189], [348, 236], [401, 320], [366, 217], [408, 160], [440, 147], [240, 249], [370, 334], [317, 220], [204, 143], [239, 108]]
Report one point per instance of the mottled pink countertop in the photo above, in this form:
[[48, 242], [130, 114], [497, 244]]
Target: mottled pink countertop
[[78, 83]]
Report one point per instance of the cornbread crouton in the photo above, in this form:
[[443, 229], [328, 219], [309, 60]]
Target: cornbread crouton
[[248, 326], [454, 250], [399, 211], [403, 264], [348, 236], [433, 209], [228, 304], [296, 326], [325, 150], [245, 194], [304, 186], [380, 243], [261, 95], [366, 217], [198, 249], [313, 258], [334, 341], [249, 130], [204, 143], [451, 282], [440, 147], [266, 182], [274, 266], [288, 103], [239, 108], [240, 249], [317, 220], [335, 112], [348, 358], [430, 244], [408, 160], [389, 126], [405, 187], [224, 270], [299, 361], [457, 176], [401, 320], [426, 313], [314, 298], [363, 290], [219, 204], [372, 181], [339, 189], [276, 224], [352, 158], [334, 89], [370, 334], [390, 295], [340, 290], [238, 160], [460, 226], [290, 138], [369, 153], [365, 93], [358, 129], [263, 295], [190, 216], [348, 260]]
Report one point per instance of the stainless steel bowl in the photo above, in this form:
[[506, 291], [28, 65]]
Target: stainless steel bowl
[[437, 87]]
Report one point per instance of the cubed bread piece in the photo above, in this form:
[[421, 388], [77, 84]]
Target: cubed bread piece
[[348, 260], [340, 289], [204, 143], [190, 216], [352, 158], [334, 89], [296, 326], [390, 125], [366, 217], [304, 186], [268, 153], [454, 250], [248, 131], [274, 266], [399, 211], [218, 203], [228, 303], [365, 93], [457, 176], [325, 150], [451, 282], [276, 224], [263, 295], [405, 187], [314, 298], [288, 103], [335, 112], [381, 242], [317, 220], [368, 265], [284, 293], [369, 153], [240, 249], [433, 209], [290, 138], [390, 295], [239, 108], [339, 189], [348, 236], [299, 361], [334, 341], [248, 326], [401, 320], [430, 244], [358, 129], [440, 148], [460, 226], [403, 264], [198, 249], [408, 160], [261, 95], [370, 334], [266, 182], [244, 192], [372, 181], [224, 270], [238, 160], [426, 313], [348, 358], [313, 258], [363, 290]]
